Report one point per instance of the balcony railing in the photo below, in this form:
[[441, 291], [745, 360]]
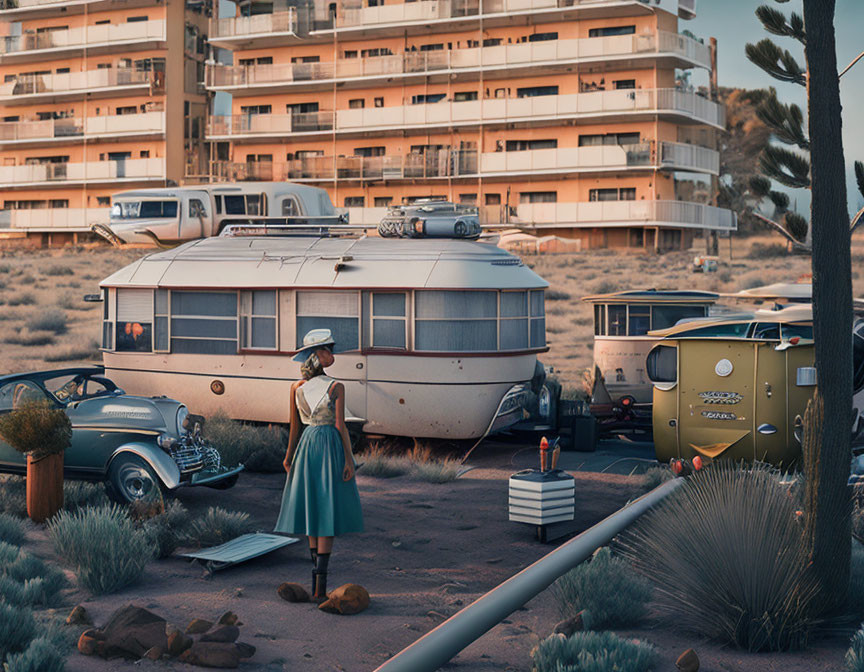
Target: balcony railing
[[90, 36], [54, 219], [467, 163], [120, 125], [481, 58], [625, 213], [85, 82], [494, 110], [260, 24], [91, 171]]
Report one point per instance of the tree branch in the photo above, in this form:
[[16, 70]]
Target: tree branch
[[849, 67], [779, 227], [856, 220]]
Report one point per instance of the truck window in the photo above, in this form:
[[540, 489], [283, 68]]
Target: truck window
[[289, 207], [196, 208]]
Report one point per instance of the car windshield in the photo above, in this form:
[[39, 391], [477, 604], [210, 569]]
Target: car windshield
[[12, 395], [76, 387]]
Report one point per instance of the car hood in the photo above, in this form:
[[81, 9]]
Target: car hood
[[157, 414]]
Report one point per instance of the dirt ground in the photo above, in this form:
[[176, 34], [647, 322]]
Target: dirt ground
[[428, 550]]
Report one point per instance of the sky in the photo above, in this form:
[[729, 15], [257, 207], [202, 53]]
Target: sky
[[734, 23]]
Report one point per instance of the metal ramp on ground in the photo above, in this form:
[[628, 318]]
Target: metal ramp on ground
[[241, 549]]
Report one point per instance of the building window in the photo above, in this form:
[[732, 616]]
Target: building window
[[525, 145], [355, 201], [356, 104], [463, 96], [337, 311], [370, 151], [532, 91], [204, 323], [389, 321], [383, 201], [422, 99], [350, 54], [624, 83], [541, 37], [432, 47], [258, 323], [103, 201], [612, 194], [492, 41], [144, 153], [538, 197], [375, 52], [493, 199], [610, 31], [609, 139], [379, 102], [134, 320], [135, 19], [468, 199]]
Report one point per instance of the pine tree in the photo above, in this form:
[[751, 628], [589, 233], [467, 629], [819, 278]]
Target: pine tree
[[818, 165]]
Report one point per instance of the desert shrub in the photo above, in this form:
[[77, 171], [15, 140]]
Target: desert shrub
[[727, 554], [102, 544], [656, 476], [767, 251], [167, 530], [594, 652], [80, 494], [5, 268], [613, 594], [261, 449], [17, 627], [557, 295], [26, 580], [378, 465], [74, 301], [58, 269], [605, 287], [436, 471], [30, 338], [13, 495], [22, 299], [53, 321], [217, 526], [75, 353], [36, 428], [41, 655], [11, 529]]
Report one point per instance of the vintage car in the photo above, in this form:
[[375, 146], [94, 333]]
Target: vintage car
[[137, 445]]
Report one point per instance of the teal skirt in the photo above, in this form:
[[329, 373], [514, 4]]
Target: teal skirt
[[316, 501]]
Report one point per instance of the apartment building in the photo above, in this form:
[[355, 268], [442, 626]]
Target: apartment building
[[96, 96], [568, 116]]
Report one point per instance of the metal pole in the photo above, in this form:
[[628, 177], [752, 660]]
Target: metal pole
[[440, 645]]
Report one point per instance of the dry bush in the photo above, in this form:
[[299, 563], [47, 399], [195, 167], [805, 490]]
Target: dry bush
[[22, 299], [58, 269], [30, 338], [75, 353], [767, 251], [216, 526], [594, 652], [53, 321]]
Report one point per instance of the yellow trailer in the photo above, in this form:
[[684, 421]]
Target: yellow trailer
[[733, 388]]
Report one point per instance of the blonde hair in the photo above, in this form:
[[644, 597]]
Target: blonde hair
[[311, 367]]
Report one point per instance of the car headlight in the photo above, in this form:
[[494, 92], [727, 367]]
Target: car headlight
[[544, 402], [460, 228], [182, 413]]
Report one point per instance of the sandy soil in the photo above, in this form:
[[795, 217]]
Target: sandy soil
[[428, 550]]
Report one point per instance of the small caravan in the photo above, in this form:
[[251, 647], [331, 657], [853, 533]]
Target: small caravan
[[436, 338], [737, 387], [622, 321], [168, 216]]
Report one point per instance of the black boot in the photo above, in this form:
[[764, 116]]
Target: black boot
[[319, 589], [313, 553]]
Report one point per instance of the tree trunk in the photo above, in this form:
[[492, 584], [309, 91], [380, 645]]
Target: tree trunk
[[44, 487], [828, 517]]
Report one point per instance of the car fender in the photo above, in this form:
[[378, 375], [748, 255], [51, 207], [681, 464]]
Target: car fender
[[166, 469]]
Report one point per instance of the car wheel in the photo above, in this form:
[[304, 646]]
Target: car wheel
[[225, 483], [131, 479]]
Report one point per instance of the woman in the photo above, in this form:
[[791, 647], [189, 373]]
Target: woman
[[320, 498]]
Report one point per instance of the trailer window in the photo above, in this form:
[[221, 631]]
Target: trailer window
[[204, 323], [258, 326], [456, 321], [107, 328], [663, 317], [638, 320], [599, 319], [144, 210], [389, 320], [134, 320], [538, 319], [290, 207], [662, 364], [513, 327], [337, 311], [161, 341], [617, 319]]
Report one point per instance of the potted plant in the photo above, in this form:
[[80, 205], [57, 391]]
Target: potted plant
[[42, 432]]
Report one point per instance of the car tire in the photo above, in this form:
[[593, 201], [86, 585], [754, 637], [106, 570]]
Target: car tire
[[132, 479], [225, 483]]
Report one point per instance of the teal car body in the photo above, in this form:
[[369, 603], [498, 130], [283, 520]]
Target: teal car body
[[110, 428]]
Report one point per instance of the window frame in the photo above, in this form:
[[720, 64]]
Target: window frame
[[404, 318], [210, 318], [298, 336], [246, 314]]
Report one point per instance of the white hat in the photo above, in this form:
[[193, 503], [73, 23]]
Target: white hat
[[317, 338]]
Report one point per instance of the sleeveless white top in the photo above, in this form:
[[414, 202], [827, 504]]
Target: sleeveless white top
[[314, 403]]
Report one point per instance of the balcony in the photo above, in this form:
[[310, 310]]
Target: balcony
[[467, 164], [14, 10], [509, 60], [676, 214], [96, 39], [53, 219], [91, 172], [106, 82], [49, 131], [259, 31], [608, 106]]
